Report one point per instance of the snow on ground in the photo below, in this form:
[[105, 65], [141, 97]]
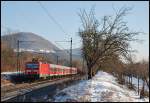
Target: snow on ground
[[135, 82], [102, 88], [10, 73], [7, 75]]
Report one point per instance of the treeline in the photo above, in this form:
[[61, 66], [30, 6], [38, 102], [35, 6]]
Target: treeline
[[9, 59], [126, 71]]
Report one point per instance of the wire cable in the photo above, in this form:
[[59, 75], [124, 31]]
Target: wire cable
[[51, 17], [63, 48]]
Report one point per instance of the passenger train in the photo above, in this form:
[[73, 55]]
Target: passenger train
[[44, 70]]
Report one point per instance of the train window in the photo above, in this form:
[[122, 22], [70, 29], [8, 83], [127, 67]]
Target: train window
[[54, 69], [32, 66]]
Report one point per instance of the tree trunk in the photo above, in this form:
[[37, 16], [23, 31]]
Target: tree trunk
[[147, 82], [89, 73], [142, 91], [131, 80], [122, 78], [143, 84]]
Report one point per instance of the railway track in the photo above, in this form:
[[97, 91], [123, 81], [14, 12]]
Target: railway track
[[14, 90], [11, 88]]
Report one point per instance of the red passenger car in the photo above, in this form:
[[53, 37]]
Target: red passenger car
[[45, 69]]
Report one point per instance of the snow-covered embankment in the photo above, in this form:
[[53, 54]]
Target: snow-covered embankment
[[103, 87]]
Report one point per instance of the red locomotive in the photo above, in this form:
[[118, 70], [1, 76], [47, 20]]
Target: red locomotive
[[42, 69]]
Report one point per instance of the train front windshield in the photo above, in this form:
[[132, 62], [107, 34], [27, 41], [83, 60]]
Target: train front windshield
[[32, 66]]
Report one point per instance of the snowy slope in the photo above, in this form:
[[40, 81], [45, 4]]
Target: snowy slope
[[135, 83], [102, 88]]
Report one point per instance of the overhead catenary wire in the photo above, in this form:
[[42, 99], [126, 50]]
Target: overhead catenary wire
[[52, 18], [66, 50], [63, 48]]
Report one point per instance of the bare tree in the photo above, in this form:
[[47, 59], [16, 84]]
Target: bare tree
[[112, 39]]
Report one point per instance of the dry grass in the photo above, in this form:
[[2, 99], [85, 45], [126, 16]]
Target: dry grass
[[5, 82]]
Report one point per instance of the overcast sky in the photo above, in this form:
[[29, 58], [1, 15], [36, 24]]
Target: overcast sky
[[28, 16]]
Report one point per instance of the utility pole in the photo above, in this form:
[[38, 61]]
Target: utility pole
[[18, 47], [57, 59], [70, 50], [18, 62], [17, 55], [71, 53]]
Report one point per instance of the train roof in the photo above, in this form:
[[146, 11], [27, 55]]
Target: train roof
[[52, 65], [64, 67], [31, 62]]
